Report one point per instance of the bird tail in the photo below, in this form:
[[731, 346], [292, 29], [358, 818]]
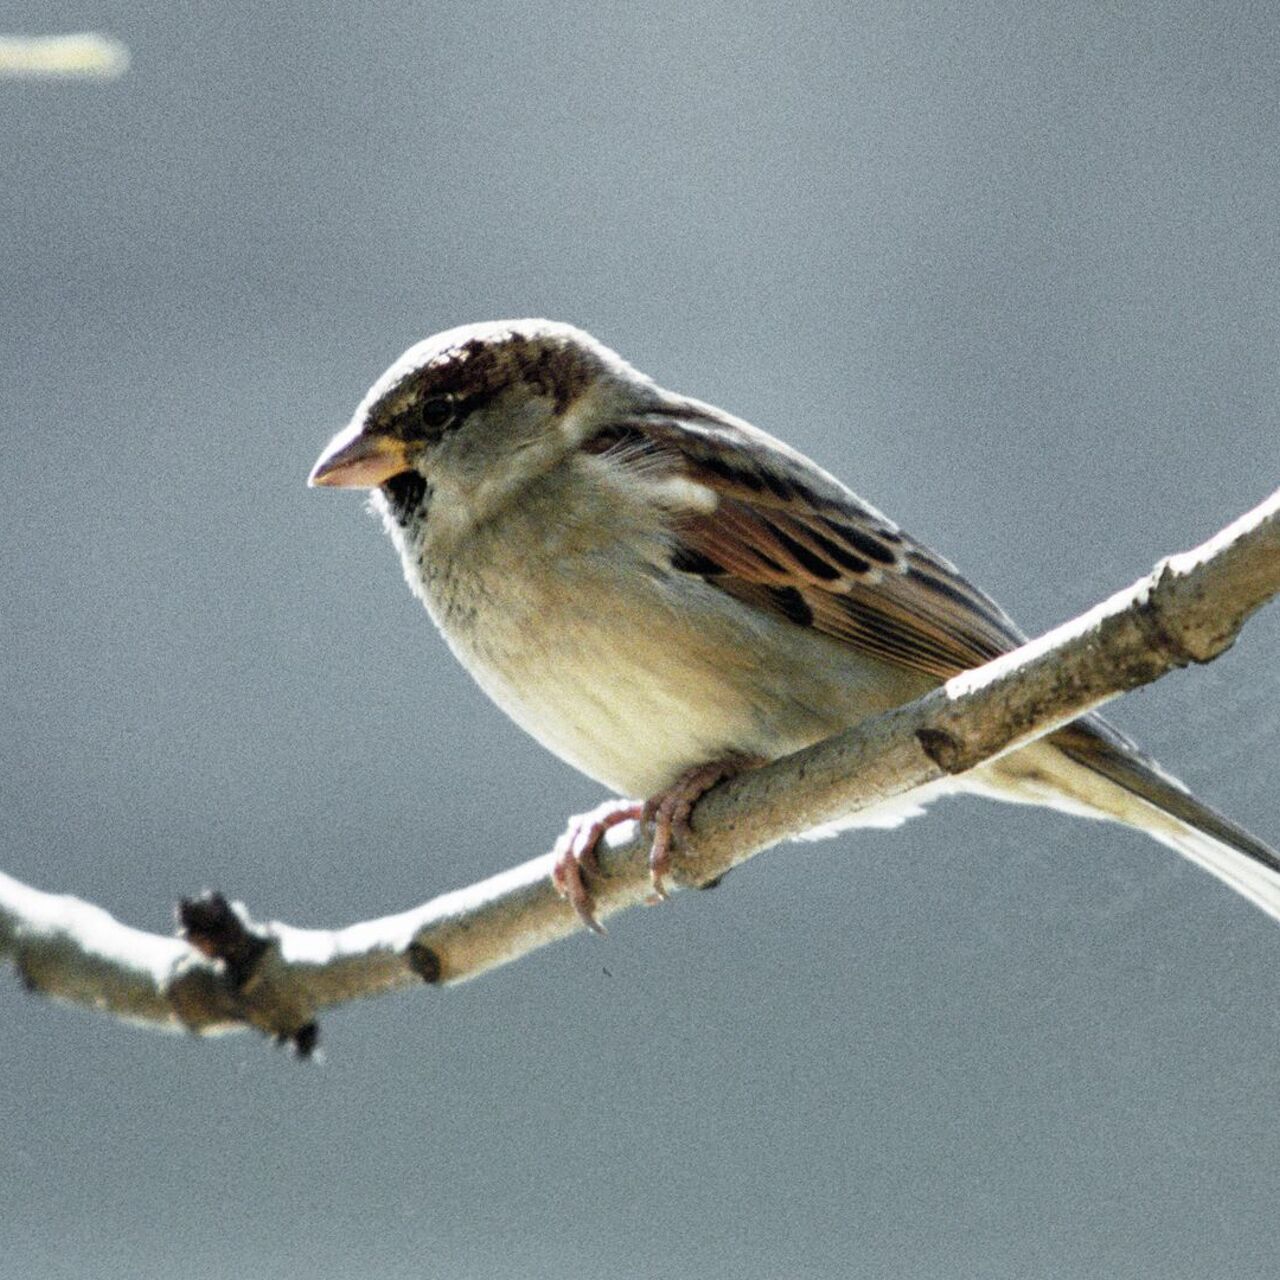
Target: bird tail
[[1124, 785]]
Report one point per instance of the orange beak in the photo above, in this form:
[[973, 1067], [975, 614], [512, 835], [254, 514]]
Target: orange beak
[[359, 459]]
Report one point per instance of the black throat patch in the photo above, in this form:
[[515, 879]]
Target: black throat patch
[[408, 497]]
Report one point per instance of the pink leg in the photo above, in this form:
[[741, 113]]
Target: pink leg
[[669, 810], [576, 853]]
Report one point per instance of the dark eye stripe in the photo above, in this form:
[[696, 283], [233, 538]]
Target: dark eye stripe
[[435, 411]]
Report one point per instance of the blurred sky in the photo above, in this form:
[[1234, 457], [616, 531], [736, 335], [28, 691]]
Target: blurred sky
[[1009, 269]]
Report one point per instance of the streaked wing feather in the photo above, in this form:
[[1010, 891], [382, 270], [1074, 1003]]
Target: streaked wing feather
[[786, 537], [789, 538]]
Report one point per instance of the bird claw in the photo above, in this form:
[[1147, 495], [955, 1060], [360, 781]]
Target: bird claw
[[576, 858], [669, 812]]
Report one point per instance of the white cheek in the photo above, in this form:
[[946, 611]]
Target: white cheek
[[378, 508]]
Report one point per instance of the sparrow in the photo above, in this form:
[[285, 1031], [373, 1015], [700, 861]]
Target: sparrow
[[664, 595]]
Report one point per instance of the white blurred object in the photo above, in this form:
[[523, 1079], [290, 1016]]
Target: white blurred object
[[86, 54]]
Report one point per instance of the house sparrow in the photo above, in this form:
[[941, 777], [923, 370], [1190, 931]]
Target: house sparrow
[[662, 594]]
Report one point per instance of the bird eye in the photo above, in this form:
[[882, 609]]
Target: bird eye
[[436, 412]]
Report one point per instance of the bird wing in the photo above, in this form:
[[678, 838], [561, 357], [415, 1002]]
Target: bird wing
[[782, 534], [788, 538]]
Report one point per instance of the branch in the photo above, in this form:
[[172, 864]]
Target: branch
[[230, 971]]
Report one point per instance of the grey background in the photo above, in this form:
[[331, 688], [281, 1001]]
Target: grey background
[[1009, 269]]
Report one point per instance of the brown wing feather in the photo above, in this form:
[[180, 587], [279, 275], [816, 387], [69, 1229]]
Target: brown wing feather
[[787, 537]]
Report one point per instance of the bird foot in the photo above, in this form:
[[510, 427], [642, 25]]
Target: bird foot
[[575, 854], [669, 811]]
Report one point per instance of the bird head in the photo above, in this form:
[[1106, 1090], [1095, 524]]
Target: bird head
[[477, 411]]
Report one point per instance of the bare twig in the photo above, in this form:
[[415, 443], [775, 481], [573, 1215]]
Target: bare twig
[[232, 972]]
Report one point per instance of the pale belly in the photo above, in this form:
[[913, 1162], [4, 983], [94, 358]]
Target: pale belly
[[634, 687]]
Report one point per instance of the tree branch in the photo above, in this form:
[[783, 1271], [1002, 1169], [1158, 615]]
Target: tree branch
[[230, 971]]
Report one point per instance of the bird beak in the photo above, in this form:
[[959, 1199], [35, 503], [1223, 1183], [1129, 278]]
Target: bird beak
[[359, 458]]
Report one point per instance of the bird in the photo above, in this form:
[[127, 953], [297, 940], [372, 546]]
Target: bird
[[664, 595]]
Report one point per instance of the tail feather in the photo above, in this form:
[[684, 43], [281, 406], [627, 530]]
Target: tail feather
[[1173, 815], [1089, 769]]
